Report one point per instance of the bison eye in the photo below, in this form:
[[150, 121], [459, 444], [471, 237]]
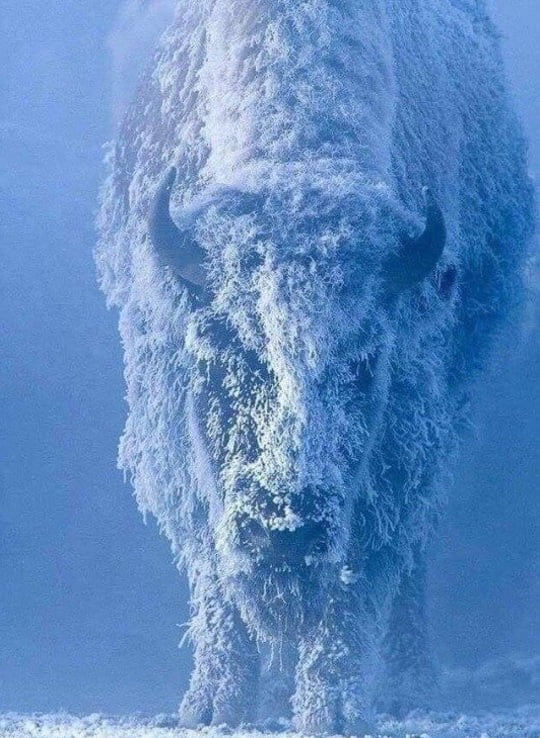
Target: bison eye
[[447, 281]]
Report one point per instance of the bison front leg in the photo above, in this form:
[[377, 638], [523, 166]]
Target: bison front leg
[[409, 679], [235, 699], [277, 684], [196, 706], [333, 678], [223, 685]]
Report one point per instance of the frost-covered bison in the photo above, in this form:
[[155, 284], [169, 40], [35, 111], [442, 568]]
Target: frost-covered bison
[[315, 224]]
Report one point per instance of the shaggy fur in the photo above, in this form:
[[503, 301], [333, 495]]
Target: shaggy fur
[[290, 426]]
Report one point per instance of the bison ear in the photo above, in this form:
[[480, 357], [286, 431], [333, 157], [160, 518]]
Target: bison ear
[[417, 257], [173, 247]]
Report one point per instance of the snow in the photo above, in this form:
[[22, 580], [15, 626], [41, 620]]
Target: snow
[[520, 723]]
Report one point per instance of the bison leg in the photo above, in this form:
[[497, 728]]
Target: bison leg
[[409, 676], [237, 660], [196, 706], [333, 675], [223, 685], [277, 684]]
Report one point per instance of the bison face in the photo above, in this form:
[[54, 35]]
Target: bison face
[[289, 333], [283, 438]]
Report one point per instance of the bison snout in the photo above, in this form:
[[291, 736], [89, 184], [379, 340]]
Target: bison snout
[[302, 544]]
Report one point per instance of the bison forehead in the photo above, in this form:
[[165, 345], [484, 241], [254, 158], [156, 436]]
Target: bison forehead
[[294, 274]]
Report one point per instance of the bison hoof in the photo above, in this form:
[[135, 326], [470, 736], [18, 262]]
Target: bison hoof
[[192, 722], [335, 726], [192, 716], [358, 728]]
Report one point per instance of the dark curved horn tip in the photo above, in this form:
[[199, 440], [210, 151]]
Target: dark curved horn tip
[[174, 248], [418, 257]]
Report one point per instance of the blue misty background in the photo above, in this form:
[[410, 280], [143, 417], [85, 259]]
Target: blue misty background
[[90, 603]]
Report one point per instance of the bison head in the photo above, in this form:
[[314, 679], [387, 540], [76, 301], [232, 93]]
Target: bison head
[[290, 333]]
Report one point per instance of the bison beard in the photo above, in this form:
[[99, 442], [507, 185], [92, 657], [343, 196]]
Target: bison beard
[[301, 320]]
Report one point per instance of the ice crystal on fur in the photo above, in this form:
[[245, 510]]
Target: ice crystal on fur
[[296, 378]]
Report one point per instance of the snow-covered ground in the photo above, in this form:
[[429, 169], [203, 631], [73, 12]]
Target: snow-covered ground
[[519, 723]]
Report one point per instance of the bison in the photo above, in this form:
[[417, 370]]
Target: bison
[[314, 227]]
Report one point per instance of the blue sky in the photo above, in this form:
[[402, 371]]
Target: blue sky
[[91, 604]]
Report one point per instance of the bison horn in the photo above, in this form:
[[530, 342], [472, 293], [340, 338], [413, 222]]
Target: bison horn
[[418, 257], [175, 248]]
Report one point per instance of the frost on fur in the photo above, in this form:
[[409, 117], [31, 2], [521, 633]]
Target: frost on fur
[[301, 336]]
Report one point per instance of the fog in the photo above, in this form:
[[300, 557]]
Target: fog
[[92, 608]]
